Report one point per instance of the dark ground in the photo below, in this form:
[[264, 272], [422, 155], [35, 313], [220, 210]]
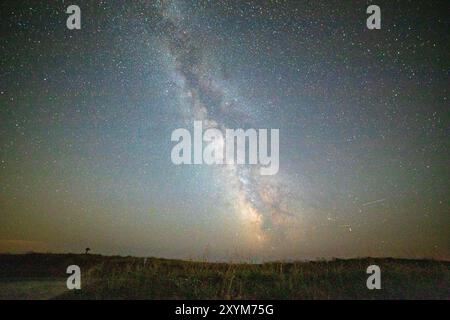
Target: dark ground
[[43, 276]]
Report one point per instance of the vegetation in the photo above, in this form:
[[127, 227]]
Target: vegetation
[[31, 276]]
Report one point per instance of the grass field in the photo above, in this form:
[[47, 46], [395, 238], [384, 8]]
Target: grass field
[[43, 276]]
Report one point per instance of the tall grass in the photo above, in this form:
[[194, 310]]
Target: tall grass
[[138, 278]]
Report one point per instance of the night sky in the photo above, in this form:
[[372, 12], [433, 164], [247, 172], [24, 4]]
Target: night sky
[[86, 118]]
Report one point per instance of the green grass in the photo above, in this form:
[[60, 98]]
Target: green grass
[[34, 289], [27, 276]]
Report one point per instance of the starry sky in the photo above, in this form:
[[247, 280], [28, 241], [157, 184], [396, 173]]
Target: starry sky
[[86, 118]]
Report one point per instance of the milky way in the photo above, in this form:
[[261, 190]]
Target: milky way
[[207, 99]]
